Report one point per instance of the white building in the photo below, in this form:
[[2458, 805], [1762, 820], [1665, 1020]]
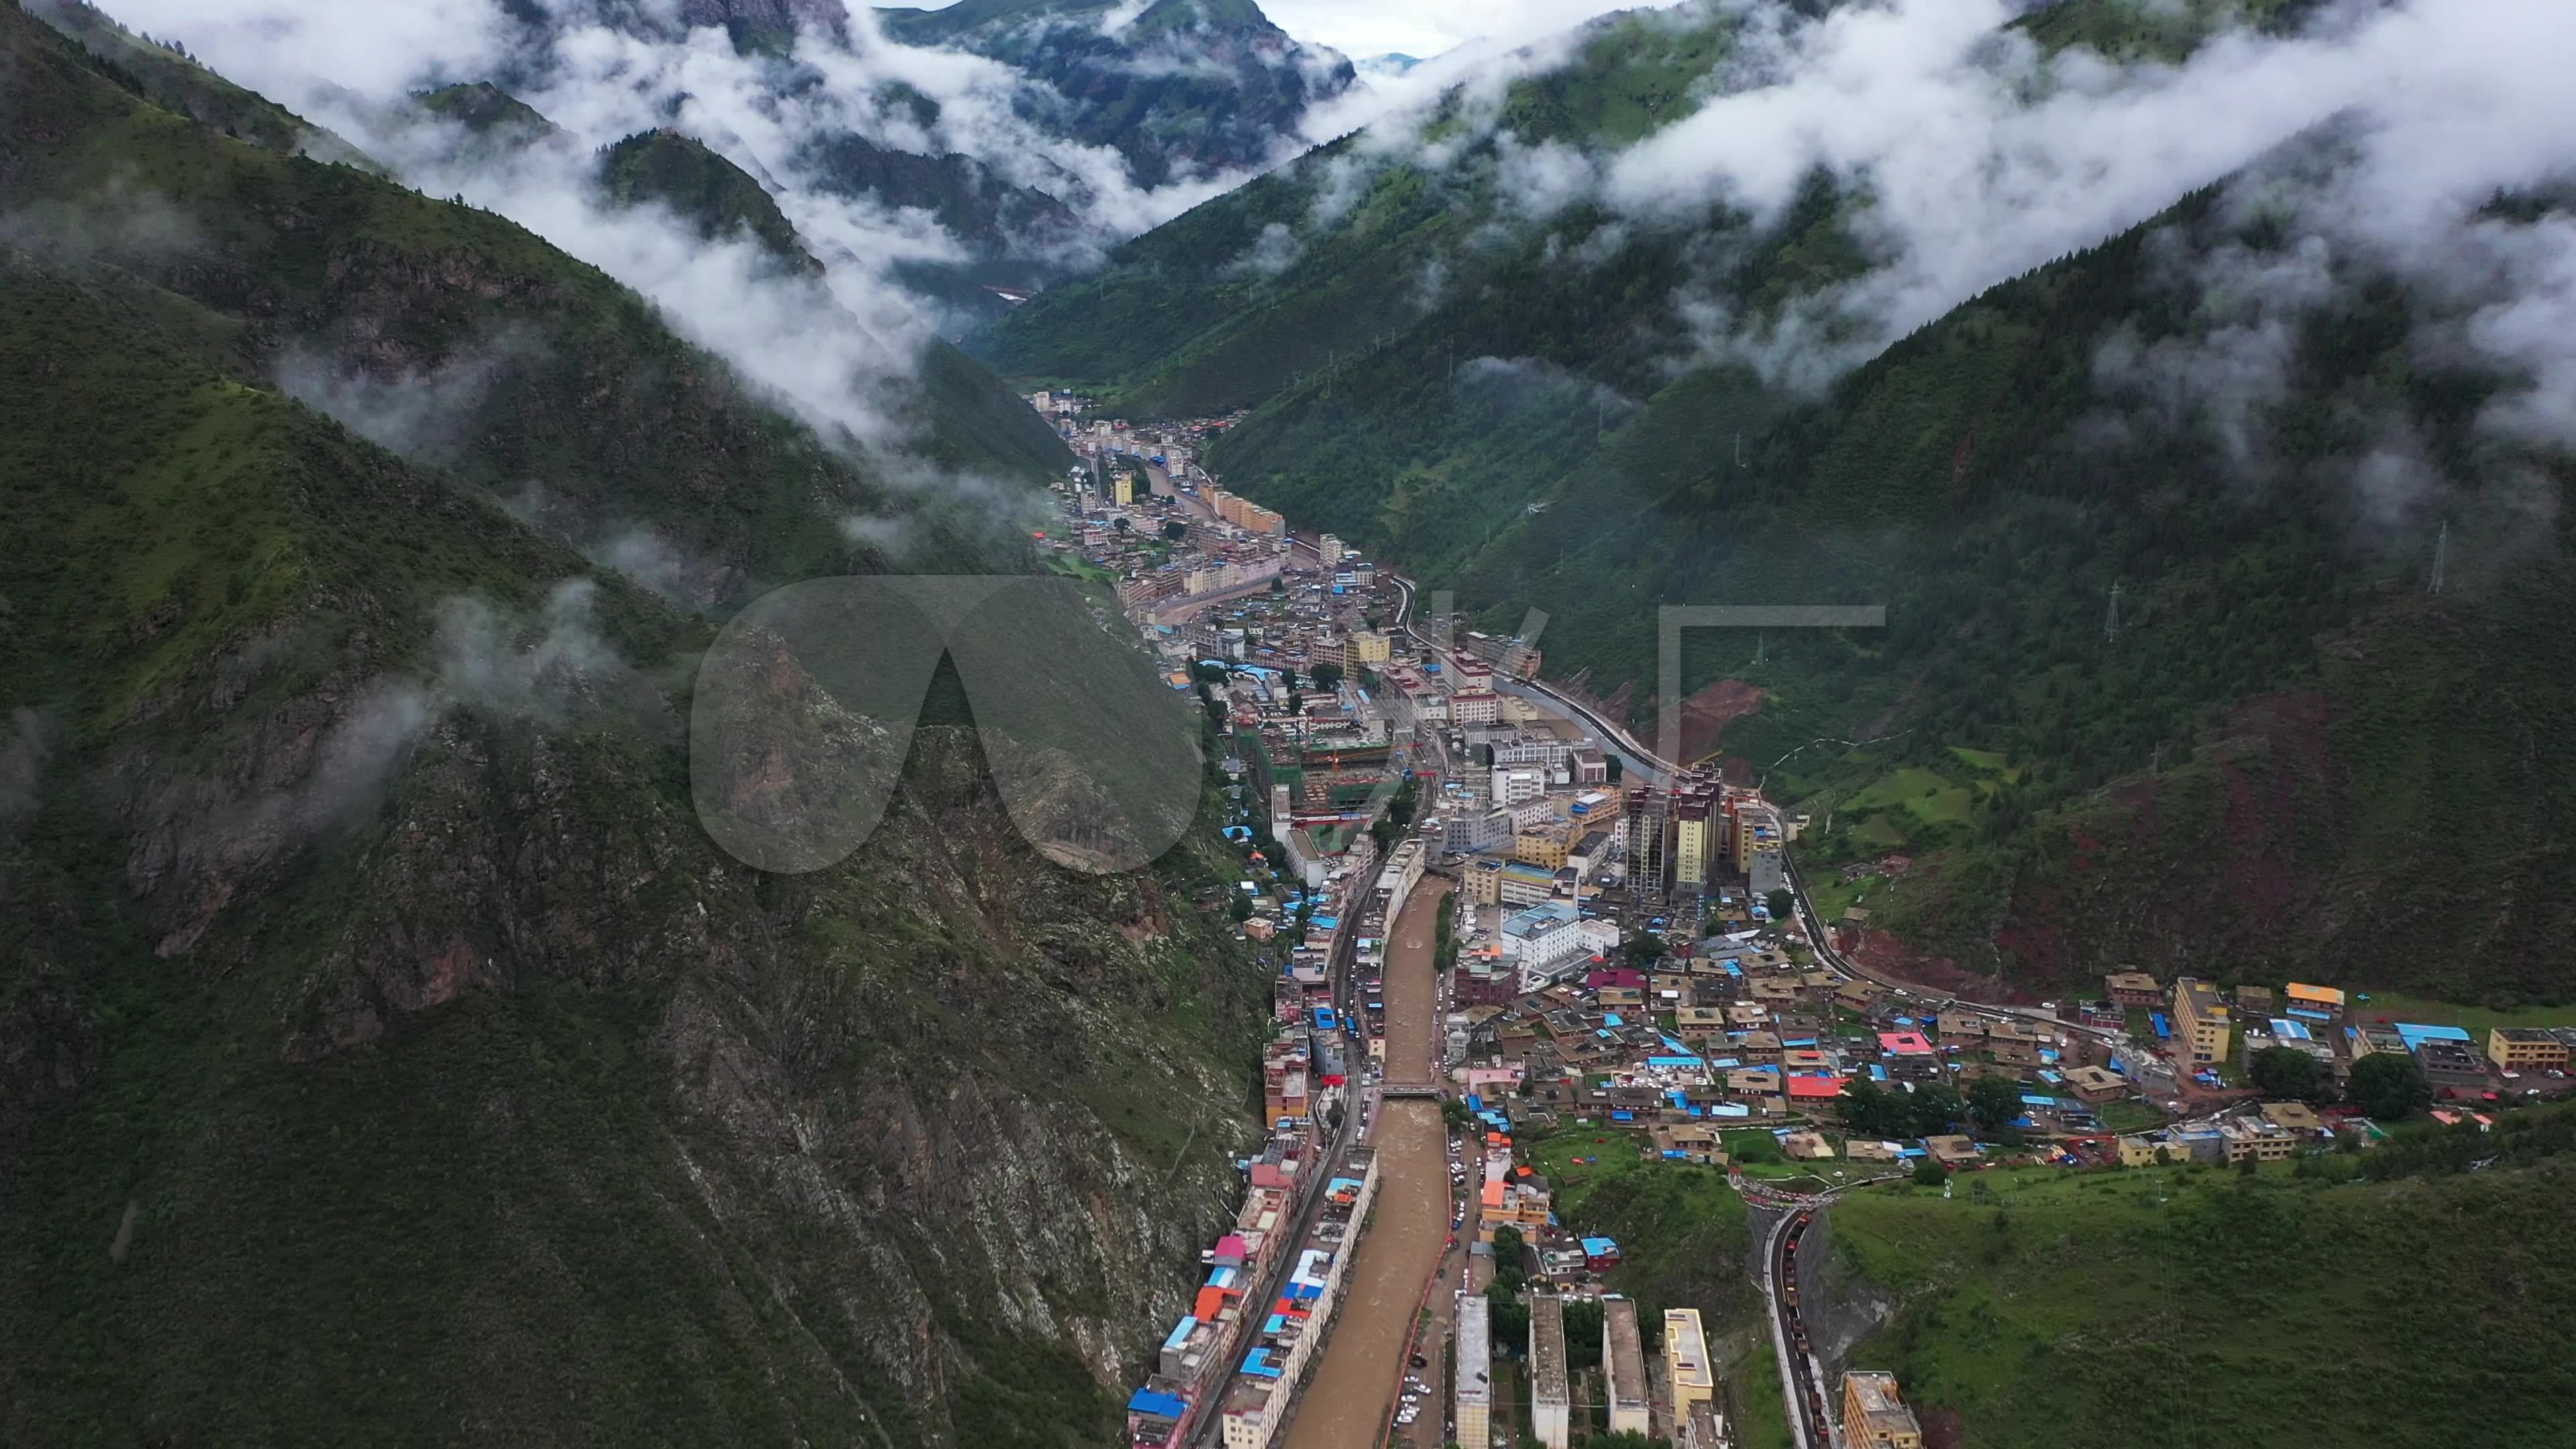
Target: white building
[[1475, 1372], [1551, 1407], [1623, 1364]]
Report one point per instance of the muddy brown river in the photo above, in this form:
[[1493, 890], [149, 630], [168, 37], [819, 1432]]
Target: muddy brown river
[[1346, 1403]]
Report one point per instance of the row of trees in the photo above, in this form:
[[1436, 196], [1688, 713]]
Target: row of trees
[[1870, 1110], [2387, 1085]]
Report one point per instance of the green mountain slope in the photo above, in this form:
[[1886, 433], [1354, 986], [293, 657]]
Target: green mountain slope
[[2289, 762], [558, 384], [485, 109], [2030, 1302], [385, 1053], [1185, 86], [1344, 251], [177, 83], [719, 198]]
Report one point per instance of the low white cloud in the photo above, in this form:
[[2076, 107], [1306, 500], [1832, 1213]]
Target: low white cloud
[[1979, 157], [1424, 31]]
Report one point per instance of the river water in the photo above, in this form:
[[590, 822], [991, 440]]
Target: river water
[[1347, 1401]]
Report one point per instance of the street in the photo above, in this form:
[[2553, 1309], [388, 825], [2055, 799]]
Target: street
[[1353, 1393]]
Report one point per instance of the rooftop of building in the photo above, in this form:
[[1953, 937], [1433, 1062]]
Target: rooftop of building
[[1874, 1393], [1626, 1352], [1475, 1352], [1686, 1348], [1547, 1348]]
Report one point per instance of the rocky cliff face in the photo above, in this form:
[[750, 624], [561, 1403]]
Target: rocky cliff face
[[386, 1054], [892, 1133]]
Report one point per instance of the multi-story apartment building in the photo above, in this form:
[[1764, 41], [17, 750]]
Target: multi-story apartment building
[[1646, 823], [2200, 1021], [1474, 1376], [1875, 1415], [2525, 1049], [1551, 1405], [1542, 846], [1623, 1361], [1756, 830], [1686, 1365]]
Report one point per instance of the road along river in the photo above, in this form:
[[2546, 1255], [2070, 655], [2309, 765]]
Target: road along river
[[1346, 1404]]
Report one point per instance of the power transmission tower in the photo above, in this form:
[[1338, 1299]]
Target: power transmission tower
[[1739, 450], [2441, 555], [2111, 621]]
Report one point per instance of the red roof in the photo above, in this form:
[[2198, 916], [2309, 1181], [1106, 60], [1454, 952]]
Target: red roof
[[1815, 1087]]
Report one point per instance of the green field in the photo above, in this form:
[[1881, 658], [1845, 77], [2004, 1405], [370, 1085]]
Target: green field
[[1990, 762], [1831, 895], [1928, 796], [1074, 566], [2130, 1116], [2477, 1019], [2203, 1308], [1762, 1409], [1683, 1233]]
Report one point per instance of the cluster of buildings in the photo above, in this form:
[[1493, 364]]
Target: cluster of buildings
[[1627, 1393], [1304, 1194], [1733, 1032], [2206, 1030]]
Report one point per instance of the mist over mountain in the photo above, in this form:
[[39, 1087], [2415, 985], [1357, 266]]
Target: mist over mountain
[[410, 408], [934, 154], [2237, 308], [365, 962], [1175, 86]]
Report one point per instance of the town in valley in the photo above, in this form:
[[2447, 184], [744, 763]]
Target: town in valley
[[1622, 956]]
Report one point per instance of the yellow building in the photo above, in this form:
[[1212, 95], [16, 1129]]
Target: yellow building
[[1690, 851], [1369, 646], [1541, 847], [2525, 1048], [1686, 1365], [1757, 828], [1874, 1414], [2200, 1021], [1124, 490], [1511, 1205], [2323, 1001]]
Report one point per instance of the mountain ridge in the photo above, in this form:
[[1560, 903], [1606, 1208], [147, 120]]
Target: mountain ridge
[[1509, 421], [434, 1072]]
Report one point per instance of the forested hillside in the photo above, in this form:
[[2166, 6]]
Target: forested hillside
[[1348, 250], [386, 1055], [2279, 751], [1177, 87]]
